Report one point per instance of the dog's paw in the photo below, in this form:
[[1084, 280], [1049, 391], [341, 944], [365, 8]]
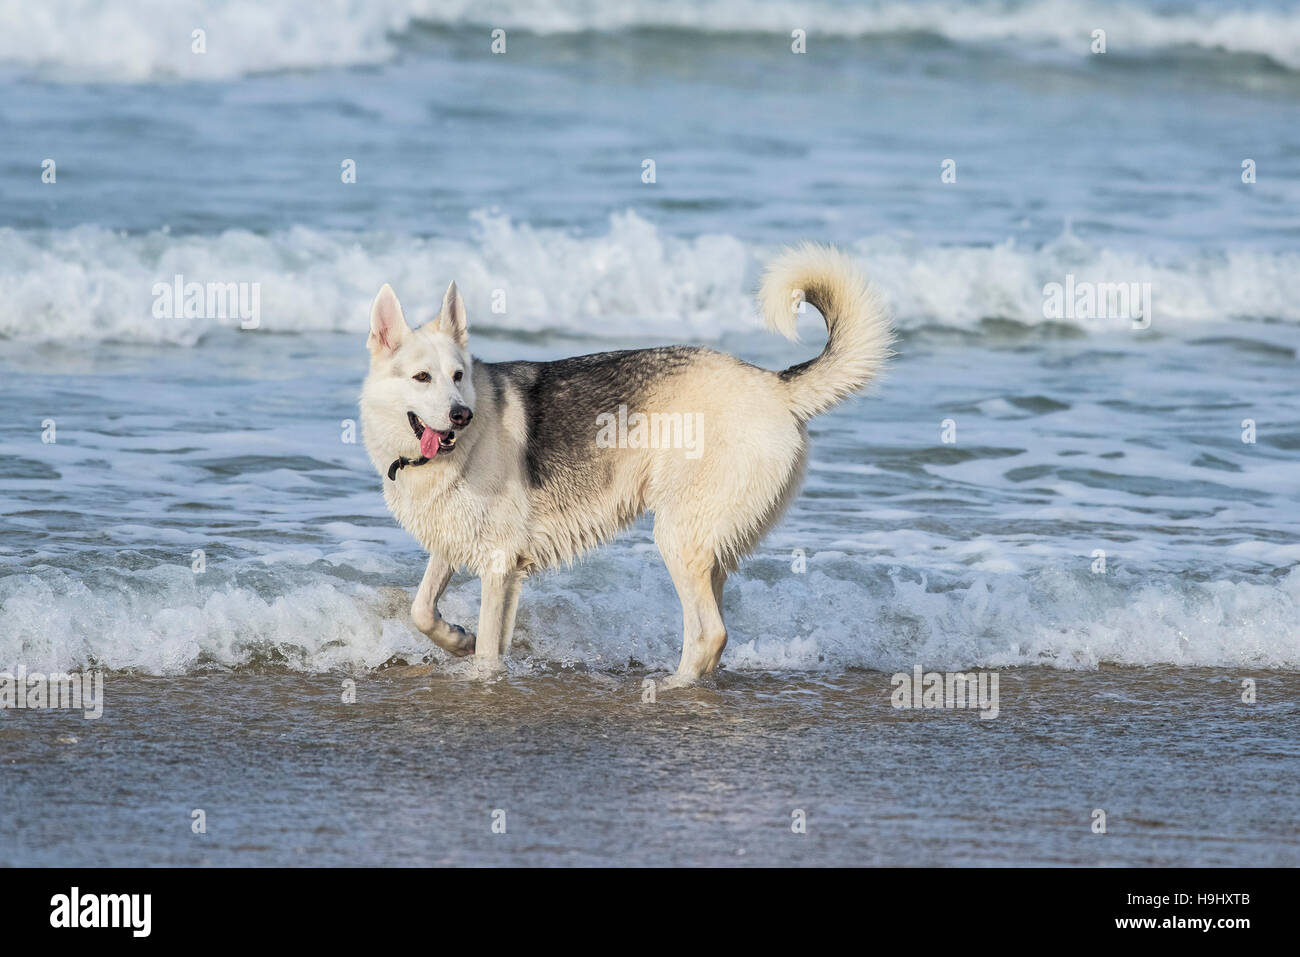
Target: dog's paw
[[678, 680], [452, 639], [464, 641]]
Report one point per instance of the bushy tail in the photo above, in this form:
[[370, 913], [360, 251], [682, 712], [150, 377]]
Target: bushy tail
[[858, 327]]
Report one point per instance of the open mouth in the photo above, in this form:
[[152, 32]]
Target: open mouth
[[431, 440]]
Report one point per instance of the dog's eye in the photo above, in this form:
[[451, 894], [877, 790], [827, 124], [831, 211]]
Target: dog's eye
[[458, 376], [422, 377]]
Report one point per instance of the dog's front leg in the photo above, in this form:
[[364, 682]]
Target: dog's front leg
[[424, 611], [514, 583], [496, 617]]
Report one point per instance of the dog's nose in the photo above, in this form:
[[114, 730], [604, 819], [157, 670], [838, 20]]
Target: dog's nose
[[460, 416]]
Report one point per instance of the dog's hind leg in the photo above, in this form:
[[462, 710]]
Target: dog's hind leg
[[698, 579], [424, 611]]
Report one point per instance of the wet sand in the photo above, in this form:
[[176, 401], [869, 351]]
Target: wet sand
[[588, 774]]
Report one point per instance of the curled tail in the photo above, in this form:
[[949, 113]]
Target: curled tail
[[858, 327]]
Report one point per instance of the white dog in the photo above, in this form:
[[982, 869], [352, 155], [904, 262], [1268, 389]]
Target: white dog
[[507, 468]]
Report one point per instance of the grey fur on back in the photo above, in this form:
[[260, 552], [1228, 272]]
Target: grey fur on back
[[562, 400]]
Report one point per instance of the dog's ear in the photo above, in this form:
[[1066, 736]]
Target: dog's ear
[[387, 324], [451, 320]]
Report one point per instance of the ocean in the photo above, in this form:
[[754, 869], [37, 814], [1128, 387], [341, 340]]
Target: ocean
[[1101, 509]]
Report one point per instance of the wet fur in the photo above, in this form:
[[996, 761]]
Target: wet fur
[[528, 488]]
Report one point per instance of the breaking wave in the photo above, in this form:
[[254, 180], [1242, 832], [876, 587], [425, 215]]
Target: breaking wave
[[844, 612], [151, 39], [633, 280]]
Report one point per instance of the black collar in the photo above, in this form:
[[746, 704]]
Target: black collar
[[401, 463]]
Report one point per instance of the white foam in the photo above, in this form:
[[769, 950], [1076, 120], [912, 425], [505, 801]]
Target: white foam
[[844, 612], [144, 40], [151, 39], [168, 621], [632, 280], [1065, 24]]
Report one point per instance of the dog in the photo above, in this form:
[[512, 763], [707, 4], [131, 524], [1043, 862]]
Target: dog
[[508, 468]]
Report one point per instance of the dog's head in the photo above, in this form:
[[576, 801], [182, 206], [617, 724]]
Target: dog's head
[[419, 392]]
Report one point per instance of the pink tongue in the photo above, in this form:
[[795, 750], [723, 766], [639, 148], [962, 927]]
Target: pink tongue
[[429, 443]]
